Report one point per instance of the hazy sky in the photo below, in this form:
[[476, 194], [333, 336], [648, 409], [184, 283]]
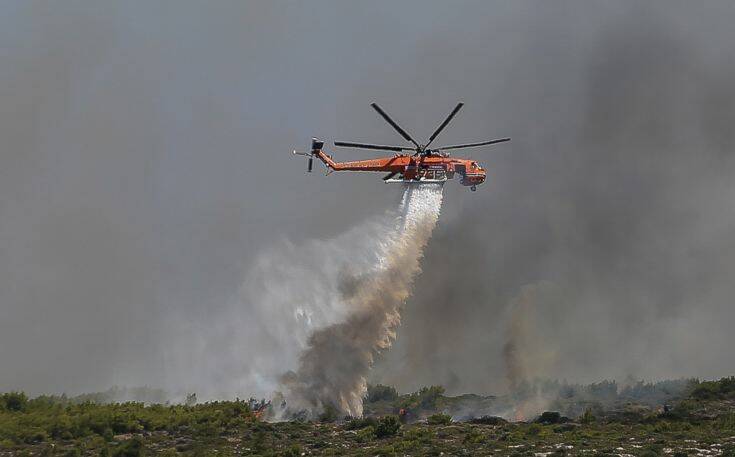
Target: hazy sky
[[145, 162]]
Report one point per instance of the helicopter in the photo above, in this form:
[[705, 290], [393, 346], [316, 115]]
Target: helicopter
[[417, 163]]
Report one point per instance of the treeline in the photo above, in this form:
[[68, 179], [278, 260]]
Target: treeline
[[724, 389], [571, 399], [51, 418], [608, 392]]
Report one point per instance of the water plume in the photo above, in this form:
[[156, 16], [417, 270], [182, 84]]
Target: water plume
[[333, 367]]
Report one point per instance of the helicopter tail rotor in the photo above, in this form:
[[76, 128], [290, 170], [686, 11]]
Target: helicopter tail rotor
[[316, 146]]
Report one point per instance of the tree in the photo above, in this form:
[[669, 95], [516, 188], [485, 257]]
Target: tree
[[14, 401], [380, 392], [387, 426]]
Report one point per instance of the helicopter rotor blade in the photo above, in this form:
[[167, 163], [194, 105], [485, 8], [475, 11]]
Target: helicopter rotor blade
[[472, 145], [444, 124], [346, 144], [393, 124]]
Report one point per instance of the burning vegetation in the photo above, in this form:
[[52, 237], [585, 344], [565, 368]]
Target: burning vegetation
[[682, 417]]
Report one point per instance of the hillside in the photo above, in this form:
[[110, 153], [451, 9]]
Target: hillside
[[700, 422]]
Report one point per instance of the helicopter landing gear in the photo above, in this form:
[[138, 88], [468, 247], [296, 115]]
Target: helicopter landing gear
[[473, 188]]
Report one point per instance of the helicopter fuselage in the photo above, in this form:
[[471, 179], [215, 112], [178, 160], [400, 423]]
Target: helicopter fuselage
[[432, 167]]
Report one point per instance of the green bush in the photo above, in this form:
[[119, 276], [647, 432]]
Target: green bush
[[130, 448], [474, 436], [356, 424], [439, 419], [488, 420], [293, 451], [366, 434], [425, 398], [650, 453], [550, 417], [14, 401], [73, 452], [380, 392], [387, 426], [715, 390], [533, 429], [422, 435]]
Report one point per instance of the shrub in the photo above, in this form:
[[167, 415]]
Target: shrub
[[568, 427], [428, 396], [423, 435], [14, 401], [713, 390], [474, 436], [587, 417], [293, 451], [380, 392], [130, 448], [488, 420], [385, 451], [36, 436], [550, 417], [366, 434], [425, 398], [439, 419], [329, 414], [387, 426], [533, 429], [73, 452], [356, 424]]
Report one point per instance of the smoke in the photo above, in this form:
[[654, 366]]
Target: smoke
[[528, 353], [616, 188], [531, 349], [155, 230], [334, 366]]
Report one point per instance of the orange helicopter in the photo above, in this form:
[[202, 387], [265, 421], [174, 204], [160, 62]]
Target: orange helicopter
[[422, 165]]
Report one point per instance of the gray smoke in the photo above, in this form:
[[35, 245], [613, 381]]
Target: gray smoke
[[531, 348], [147, 191], [617, 189], [529, 353]]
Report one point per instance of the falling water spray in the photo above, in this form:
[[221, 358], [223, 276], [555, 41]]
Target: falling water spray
[[333, 368]]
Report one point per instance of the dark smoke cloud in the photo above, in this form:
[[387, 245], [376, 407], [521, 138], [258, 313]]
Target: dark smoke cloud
[[145, 165], [617, 190]]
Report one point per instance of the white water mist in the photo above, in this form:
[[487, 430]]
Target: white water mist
[[291, 296], [333, 368]]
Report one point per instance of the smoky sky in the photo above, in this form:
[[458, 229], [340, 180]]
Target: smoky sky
[[145, 162]]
